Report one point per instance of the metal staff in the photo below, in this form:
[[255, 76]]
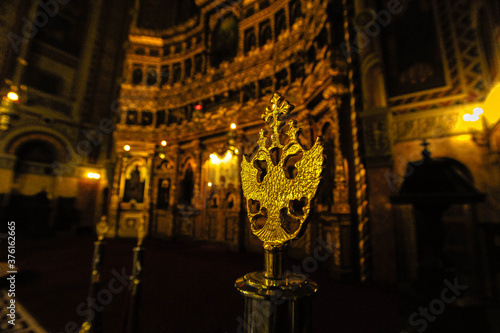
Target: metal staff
[[93, 322], [131, 323]]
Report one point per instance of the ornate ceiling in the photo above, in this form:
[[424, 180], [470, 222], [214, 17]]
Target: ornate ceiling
[[164, 14]]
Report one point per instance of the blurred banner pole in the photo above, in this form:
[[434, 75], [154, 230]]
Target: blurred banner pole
[[131, 323], [93, 322]]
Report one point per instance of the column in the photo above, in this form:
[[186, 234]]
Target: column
[[241, 41], [376, 123], [148, 204], [257, 36], [198, 196], [242, 217], [86, 58], [114, 205], [175, 149]]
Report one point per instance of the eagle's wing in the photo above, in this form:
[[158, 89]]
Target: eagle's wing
[[252, 189], [309, 170]]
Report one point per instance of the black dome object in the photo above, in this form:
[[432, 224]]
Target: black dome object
[[437, 181]]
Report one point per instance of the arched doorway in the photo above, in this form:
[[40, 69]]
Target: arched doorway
[[186, 214], [36, 151], [30, 201]]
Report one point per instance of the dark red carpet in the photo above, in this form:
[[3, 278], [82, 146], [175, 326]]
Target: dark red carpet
[[187, 288]]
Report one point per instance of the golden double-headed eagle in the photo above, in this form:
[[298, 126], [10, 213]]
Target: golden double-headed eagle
[[281, 194]]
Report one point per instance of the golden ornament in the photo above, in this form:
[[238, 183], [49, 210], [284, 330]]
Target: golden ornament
[[280, 181]]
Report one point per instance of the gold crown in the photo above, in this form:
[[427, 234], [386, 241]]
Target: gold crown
[[280, 181]]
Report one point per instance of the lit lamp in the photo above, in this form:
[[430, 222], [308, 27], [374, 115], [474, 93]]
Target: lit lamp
[[198, 110], [215, 159], [6, 108], [197, 114], [231, 148], [13, 96], [232, 137], [161, 149], [93, 175]]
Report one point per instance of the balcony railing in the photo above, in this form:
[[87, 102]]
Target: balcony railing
[[37, 98]]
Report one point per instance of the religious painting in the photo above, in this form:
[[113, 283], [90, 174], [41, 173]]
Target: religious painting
[[224, 41], [135, 180], [187, 185], [412, 54], [163, 199]]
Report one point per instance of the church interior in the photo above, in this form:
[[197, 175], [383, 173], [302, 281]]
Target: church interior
[[190, 139]]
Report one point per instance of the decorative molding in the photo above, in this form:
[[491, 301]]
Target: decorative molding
[[431, 124]]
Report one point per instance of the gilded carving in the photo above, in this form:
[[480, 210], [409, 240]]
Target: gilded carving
[[278, 55], [282, 54], [276, 190]]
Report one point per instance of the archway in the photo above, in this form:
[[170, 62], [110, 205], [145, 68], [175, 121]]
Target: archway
[[37, 151], [187, 185], [30, 201]]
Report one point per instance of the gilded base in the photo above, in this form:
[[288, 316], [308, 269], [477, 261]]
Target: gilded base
[[276, 306], [256, 285]]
